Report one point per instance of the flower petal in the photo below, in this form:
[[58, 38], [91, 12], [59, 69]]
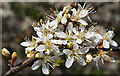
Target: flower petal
[[113, 43], [55, 48], [40, 34], [37, 28], [96, 58], [106, 44], [40, 48], [84, 50], [60, 34], [70, 26], [75, 46], [27, 43], [36, 65], [59, 41], [79, 41], [37, 39], [83, 13], [64, 20], [29, 48], [67, 51], [83, 22], [81, 61], [48, 52], [98, 36], [74, 11], [49, 36], [69, 62], [45, 68]]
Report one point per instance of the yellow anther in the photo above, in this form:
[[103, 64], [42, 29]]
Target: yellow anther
[[37, 55], [26, 52], [80, 24], [111, 49], [70, 45], [40, 20], [65, 15], [45, 21], [67, 7], [31, 55], [79, 55]]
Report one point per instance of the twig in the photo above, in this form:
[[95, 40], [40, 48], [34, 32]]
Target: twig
[[20, 66]]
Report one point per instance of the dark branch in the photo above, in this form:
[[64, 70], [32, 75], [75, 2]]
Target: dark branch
[[20, 66]]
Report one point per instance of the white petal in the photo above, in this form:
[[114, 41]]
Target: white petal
[[54, 22], [37, 39], [74, 11], [84, 50], [113, 43], [60, 14], [36, 65], [96, 58], [89, 35], [96, 40], [69, 62], [41, 54], [83, 22], [109, 34], [55, 26], [75, 46], [67, 51], [49, 36], [37, 28], [79, 41], [59, 41], [40, 48], [29, 48], [112, 60], [83, 13], [45, 68], [75, 31], [60, 34], [106, 44], [81, 61], [40, 34], [70, 26], [64, 20], [55, 48], [48, 52], [98, 36], [27, 43]]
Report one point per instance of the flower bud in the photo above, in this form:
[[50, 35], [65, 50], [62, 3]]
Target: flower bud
[[6, 53], [89, 58], [13, 56]]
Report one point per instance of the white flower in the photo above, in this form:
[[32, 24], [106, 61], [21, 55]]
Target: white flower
[[104, 57], [30, 45], [45, 64], [107, 40], [73, 55]]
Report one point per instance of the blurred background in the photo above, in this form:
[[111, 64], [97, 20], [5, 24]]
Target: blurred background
[[17, 18]]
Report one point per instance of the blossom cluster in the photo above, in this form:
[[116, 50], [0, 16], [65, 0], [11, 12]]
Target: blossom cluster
[[68, 33]]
